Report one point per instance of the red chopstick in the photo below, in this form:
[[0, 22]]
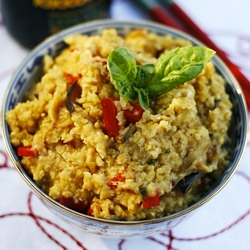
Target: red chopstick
[[159, 14], [194, 30], [180, 20]]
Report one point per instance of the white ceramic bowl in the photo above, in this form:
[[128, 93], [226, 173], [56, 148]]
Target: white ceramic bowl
[[30, 71]]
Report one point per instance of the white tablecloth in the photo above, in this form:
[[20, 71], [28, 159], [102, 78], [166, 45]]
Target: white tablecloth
[[223, 223]]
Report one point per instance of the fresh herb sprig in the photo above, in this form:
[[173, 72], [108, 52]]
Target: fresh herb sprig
[[170, 70]]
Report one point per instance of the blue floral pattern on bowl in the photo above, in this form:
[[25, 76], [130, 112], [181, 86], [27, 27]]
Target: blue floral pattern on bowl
[[30, 72]]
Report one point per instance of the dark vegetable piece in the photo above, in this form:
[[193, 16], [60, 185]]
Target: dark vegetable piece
[[185, 184], [167, 150], [131, 131], [151, 161], [27, 151], [143, 192], [73, 93]]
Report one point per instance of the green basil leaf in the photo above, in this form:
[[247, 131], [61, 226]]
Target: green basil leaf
[[177, 67], [123, 71], [143, 97], [144, 75], [171, 69]]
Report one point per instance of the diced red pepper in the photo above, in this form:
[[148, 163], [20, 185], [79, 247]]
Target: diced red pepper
[[90, 211], [109, 115], [151, 201], [27, 151], [71, 79], [135, 114], [114, 181], [69, 202]]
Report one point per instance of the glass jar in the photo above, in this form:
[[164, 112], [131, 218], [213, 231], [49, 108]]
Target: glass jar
[[31, 21]]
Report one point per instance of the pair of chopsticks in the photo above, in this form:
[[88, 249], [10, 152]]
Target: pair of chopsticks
[[175, 17]]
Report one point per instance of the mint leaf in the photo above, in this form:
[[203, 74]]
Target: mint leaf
[[123, 70]]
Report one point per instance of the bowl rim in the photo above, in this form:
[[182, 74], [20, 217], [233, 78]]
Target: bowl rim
[[110, 23]]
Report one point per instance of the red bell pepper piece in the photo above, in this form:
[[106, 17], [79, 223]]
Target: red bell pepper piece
[[90, 211], [72, 79], [114, 181], [27, 151], [135, 114], [109, 115], [151, 201], [69, 202]]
